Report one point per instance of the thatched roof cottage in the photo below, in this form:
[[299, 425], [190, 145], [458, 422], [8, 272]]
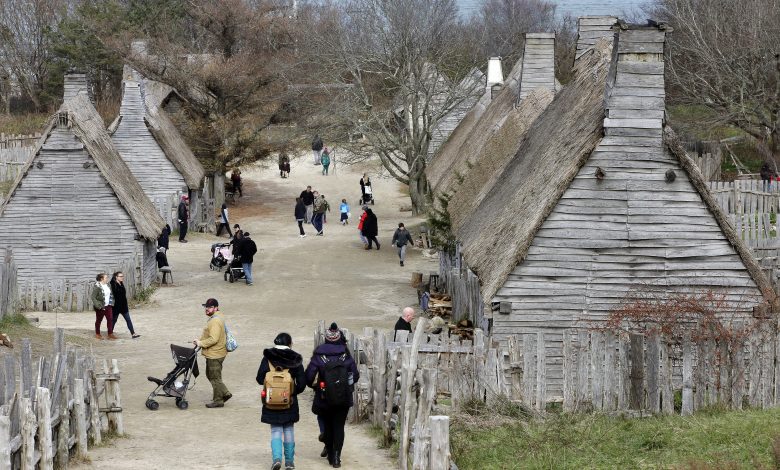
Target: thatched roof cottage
[[76, 208], [152, 147], [599, 201]]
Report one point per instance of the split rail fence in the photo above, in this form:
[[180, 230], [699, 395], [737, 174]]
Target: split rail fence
[[57, 408], [407, 379], [636, 374]]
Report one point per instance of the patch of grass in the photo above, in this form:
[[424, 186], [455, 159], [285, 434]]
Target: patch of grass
[[13, 321], [5, 186], [143, 296], [31, 123], [710, 439]]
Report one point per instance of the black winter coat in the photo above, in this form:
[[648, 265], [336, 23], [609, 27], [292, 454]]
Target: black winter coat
[[183, 213], [316, 369], [246, 250], [317, 144], [370, 225], [286, 359], [300, 211], [120, 297], [308, 197], [162, 240]]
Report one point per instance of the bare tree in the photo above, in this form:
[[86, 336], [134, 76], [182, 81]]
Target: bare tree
[[25, 50], [725, 55], [390, 70]]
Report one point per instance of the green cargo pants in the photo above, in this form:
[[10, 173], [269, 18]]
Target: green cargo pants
[[214, 374]]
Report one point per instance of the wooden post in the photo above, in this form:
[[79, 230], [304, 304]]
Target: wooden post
[[541, 372], [28, 434], [667, 396], [653, 376], [422, 434], [440, 443], [416, 279], [114, 400], [392, 384], [583, 363], [63, 430], [624, 357], [515, 368], [407, 398], [380, 379], [737, 374], [81, 418], [725, 373], [59, 341], [27, 375], [44, 429], [94, 409], [636, 398], [754, 364], [610, 371], [777, 366], [569, 383], [687, 376], [529, 375], [5, 442], [597, 369]]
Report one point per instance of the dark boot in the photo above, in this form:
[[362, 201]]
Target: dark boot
[[336, 461], [324, 452]]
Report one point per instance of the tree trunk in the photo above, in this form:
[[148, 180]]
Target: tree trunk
[[418, 192]]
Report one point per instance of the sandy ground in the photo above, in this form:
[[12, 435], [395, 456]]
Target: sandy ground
[[297, 282]]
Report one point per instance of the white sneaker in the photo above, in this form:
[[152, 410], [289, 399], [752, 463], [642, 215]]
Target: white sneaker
[[302, 236]]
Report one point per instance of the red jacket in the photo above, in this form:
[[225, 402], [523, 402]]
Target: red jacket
[[362, 219]]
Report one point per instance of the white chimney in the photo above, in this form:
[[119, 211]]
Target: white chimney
[[494, 72], [140, 47]]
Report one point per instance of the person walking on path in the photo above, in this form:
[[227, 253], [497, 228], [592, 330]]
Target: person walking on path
[[325, 160], [282, 361], [246, 251], [404, 322], [307, 196], [212, 343], [164, 238], [344, 210], [183, 215], [332, 373], [371, 229], [103, 303], [316, 148], [300, 215], [400, 238], [120, 302], [320, 207], [224, 222], [235, 178], [360, 227]]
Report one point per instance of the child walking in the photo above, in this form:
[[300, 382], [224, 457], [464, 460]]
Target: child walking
[[344, 209], [281, 360]]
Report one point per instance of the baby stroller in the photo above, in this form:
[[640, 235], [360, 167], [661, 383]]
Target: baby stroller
[[174, 385], [220, 256], [368, 196], [235, 270]]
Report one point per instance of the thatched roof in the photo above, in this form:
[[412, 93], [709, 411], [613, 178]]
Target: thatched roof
[[86, 124], [498, 233], [490, 161], [459, 151], [173, 144]]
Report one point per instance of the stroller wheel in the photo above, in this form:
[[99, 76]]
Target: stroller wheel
[[226, 275], [372, 202], [231, 278], [182, 404], [152, 405]]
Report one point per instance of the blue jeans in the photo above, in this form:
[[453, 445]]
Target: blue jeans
[[317, 222], [247, 272], [283, 433], [126, 316]]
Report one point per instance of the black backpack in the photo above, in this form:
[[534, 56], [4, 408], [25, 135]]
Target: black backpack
[[336, 377]]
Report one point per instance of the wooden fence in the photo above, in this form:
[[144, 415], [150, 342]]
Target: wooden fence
[[8, 141], [15, 151], [9, 302], [463, 286], [405, 380], [59, 406], [642, 375]]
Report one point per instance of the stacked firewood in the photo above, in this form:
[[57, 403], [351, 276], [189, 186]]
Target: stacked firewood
[[440, 305], [464, 329]]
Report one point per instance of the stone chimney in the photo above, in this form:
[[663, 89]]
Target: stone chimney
[[592, 28], [538, 63], [636, 93], [75, 84]]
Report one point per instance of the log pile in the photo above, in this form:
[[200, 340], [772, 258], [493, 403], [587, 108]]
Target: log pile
[[440, 305], [464, 329]]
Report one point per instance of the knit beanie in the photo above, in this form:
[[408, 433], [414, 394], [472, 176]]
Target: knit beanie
[[333, 335]]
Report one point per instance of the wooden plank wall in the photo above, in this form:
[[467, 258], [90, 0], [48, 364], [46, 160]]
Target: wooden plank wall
[[592, 28], [538, 63], [157, 175], [53, 408], [64, 222]]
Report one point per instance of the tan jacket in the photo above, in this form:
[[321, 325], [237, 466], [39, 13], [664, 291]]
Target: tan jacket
[[213, 338]]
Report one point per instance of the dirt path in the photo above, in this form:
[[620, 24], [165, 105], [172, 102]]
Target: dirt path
[[297, 282]]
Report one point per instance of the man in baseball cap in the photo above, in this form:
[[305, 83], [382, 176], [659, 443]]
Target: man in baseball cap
[[212, 343]]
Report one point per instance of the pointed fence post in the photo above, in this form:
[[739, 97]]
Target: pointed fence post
[[43, 409], [440, 443]]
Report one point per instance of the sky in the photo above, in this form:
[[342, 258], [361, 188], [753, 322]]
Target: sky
[[574, 7]]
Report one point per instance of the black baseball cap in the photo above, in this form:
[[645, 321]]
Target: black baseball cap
[[211, 303]]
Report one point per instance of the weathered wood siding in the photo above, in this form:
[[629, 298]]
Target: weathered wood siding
[[631, 229], [149, 263], [135, 143], [75, 83], [63, 221], [538, 63], [592, 28]]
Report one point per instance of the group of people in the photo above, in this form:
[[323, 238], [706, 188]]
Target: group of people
[[331, 373], [311, 207], [243, 249], [321, 154], [109, 299]]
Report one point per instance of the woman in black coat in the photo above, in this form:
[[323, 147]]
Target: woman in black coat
[[371, 229], [300, 215], [282, 421], [120, 302]]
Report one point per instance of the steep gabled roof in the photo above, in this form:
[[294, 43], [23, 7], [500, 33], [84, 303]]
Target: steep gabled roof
[[78, 114]]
